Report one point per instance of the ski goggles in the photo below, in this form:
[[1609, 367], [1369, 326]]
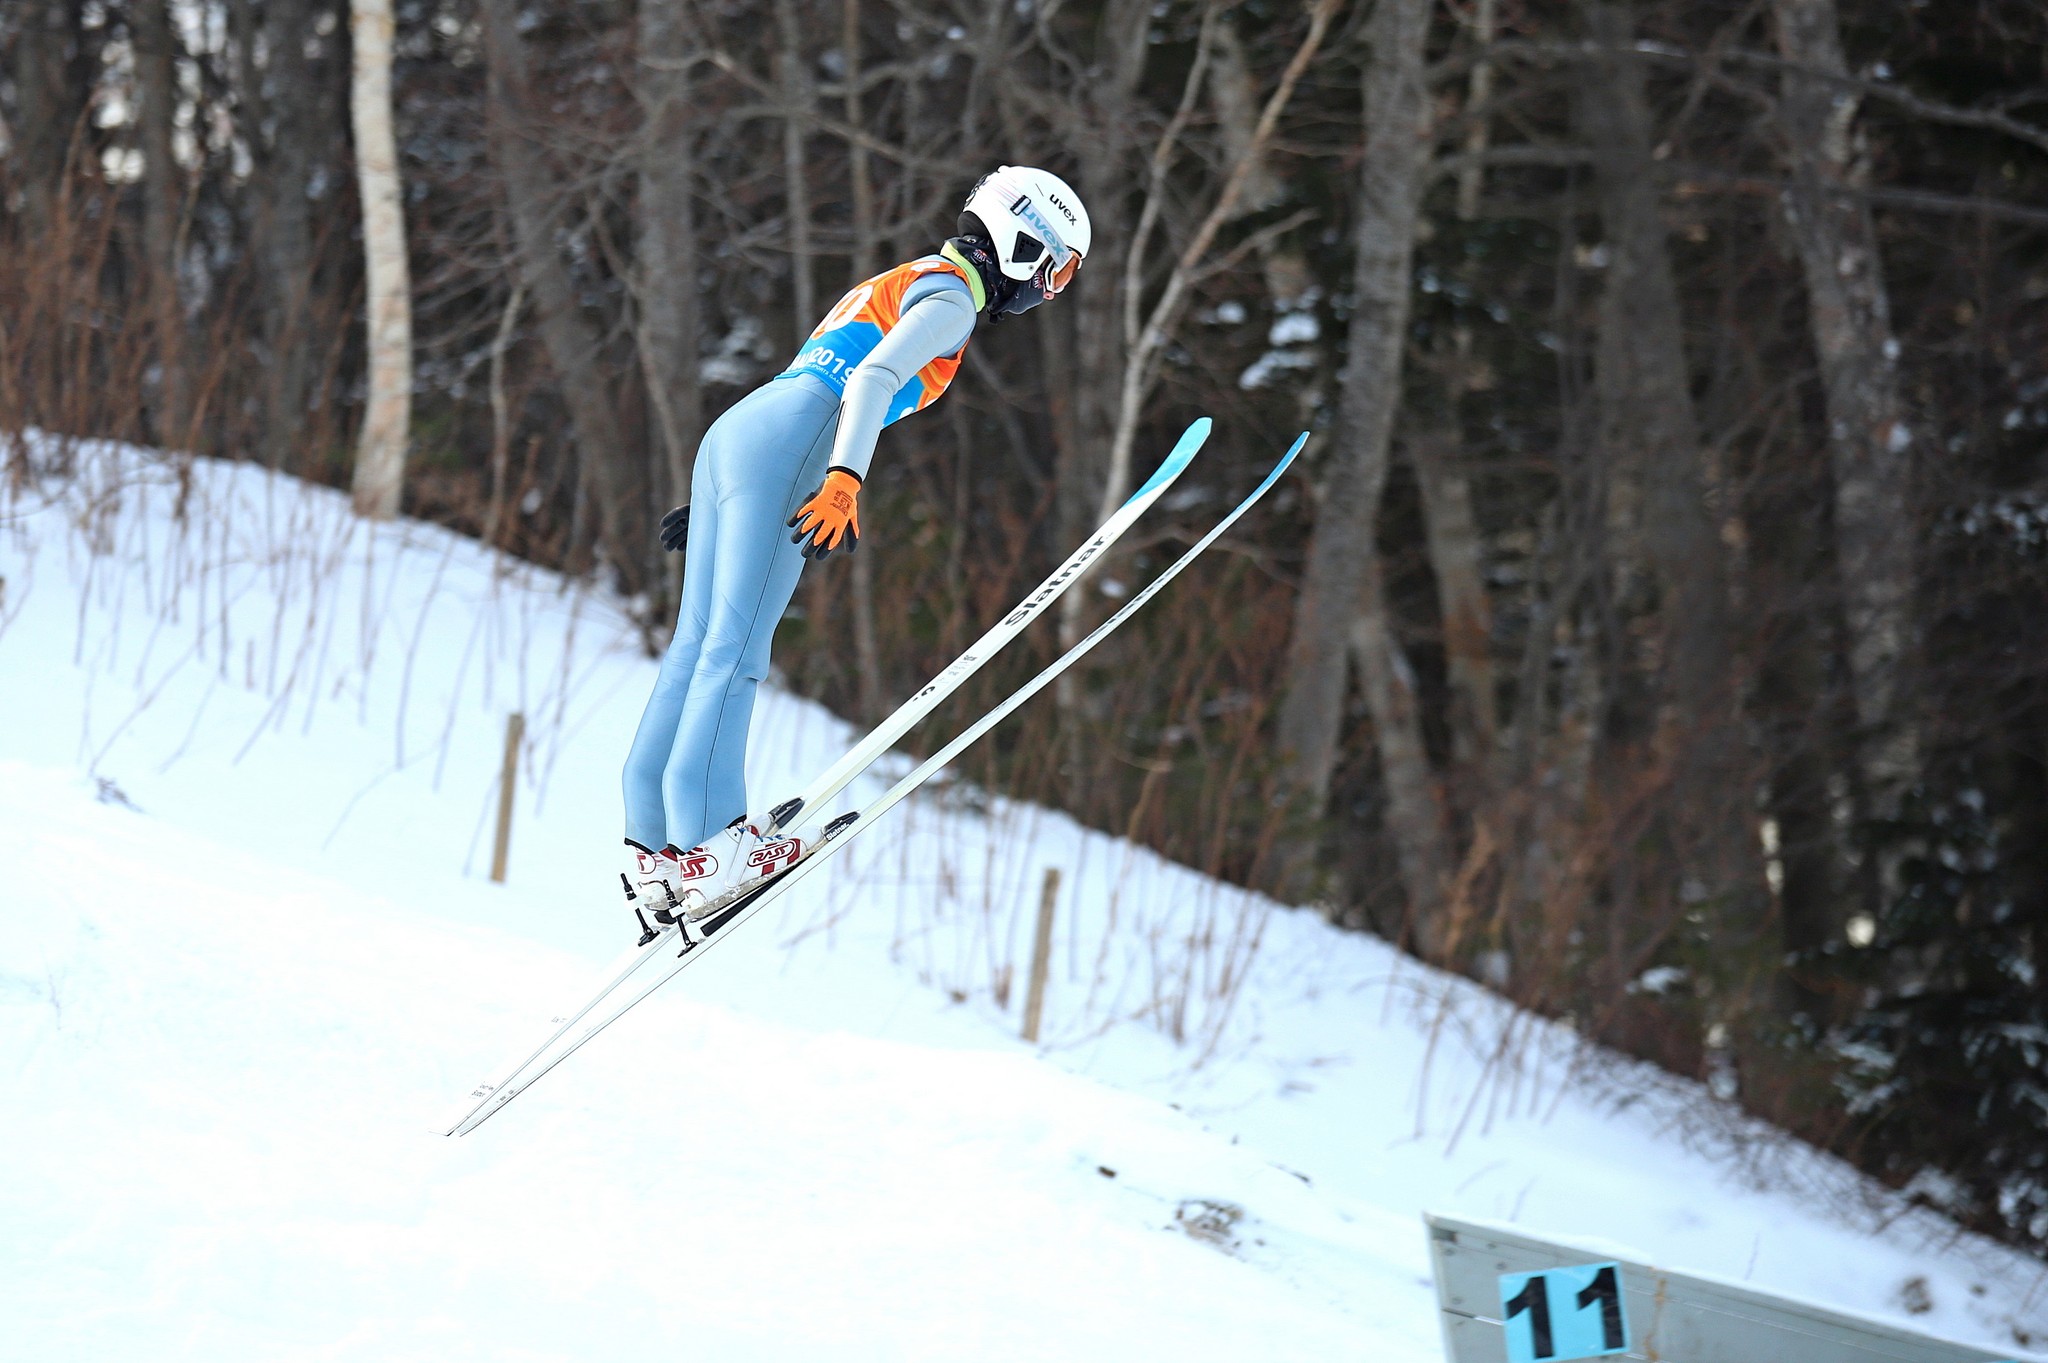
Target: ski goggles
[[1056, 275], [1062, 261]]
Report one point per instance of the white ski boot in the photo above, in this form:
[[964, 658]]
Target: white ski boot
[[654, 886]]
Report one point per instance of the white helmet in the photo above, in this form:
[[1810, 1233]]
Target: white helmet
[[1036, 223]]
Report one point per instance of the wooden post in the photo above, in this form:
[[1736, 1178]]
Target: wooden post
[[508, 781], [1041, 954]]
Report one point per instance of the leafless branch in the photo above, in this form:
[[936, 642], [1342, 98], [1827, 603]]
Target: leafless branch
[[1229, 259], [1991, 119], [1151, 340]]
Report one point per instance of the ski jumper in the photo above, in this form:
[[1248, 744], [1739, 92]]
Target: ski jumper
[[889, 348]]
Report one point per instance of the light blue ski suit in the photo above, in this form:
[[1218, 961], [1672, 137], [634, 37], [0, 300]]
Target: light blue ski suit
[[685, 775]]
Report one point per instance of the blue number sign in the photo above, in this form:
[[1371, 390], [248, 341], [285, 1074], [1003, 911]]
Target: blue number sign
[[1563, 1313]]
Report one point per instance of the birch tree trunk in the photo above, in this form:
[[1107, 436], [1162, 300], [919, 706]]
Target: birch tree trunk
[[1868, 439], [387, 417], [1341, 551], [162, 201]]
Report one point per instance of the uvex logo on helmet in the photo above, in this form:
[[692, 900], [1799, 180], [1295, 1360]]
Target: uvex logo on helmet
[[1060, 204], [1048, 235]]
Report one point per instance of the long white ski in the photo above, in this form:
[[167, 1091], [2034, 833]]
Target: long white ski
[[843, 830], [791, 814], [615, 974]]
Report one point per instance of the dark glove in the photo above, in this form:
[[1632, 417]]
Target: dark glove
[[675, 529], [831, 518]]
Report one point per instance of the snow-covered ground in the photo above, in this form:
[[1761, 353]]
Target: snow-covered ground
[[248, 952]]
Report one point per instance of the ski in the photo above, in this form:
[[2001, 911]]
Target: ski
[[845, 828], [793, 813], [615, 974]]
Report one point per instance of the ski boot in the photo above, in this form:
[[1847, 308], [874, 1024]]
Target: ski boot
[[728, 864], [653, 882]]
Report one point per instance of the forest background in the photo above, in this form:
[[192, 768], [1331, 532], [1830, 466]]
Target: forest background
[[1656, 633]]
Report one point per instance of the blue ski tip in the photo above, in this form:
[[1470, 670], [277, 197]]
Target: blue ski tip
[[1183, 451], [1273, 474], [1285, 460]]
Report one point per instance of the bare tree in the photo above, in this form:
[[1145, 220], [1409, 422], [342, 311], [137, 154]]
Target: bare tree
[[1337, 612], [667, 245], [1145, 342], [1485, 20], [162, 211], [1672, 691], [48, 104], [1666, 555], [1698, 624], [1850, 318], [573, 344], [387, 416], [867, 647], [1451, 527], [1415, 806], [793, 78], [1082, 348], [1234, 94], [289, 103], [1456, 557]]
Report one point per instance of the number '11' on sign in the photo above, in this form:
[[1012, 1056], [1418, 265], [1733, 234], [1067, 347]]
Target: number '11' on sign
[[1563, 1313]]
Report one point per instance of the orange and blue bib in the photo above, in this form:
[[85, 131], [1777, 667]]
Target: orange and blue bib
[[857, 325]]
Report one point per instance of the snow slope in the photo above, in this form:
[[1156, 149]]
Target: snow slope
[[247, 952]]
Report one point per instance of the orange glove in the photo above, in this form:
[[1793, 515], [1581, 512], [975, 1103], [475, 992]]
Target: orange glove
[[831, 518]]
